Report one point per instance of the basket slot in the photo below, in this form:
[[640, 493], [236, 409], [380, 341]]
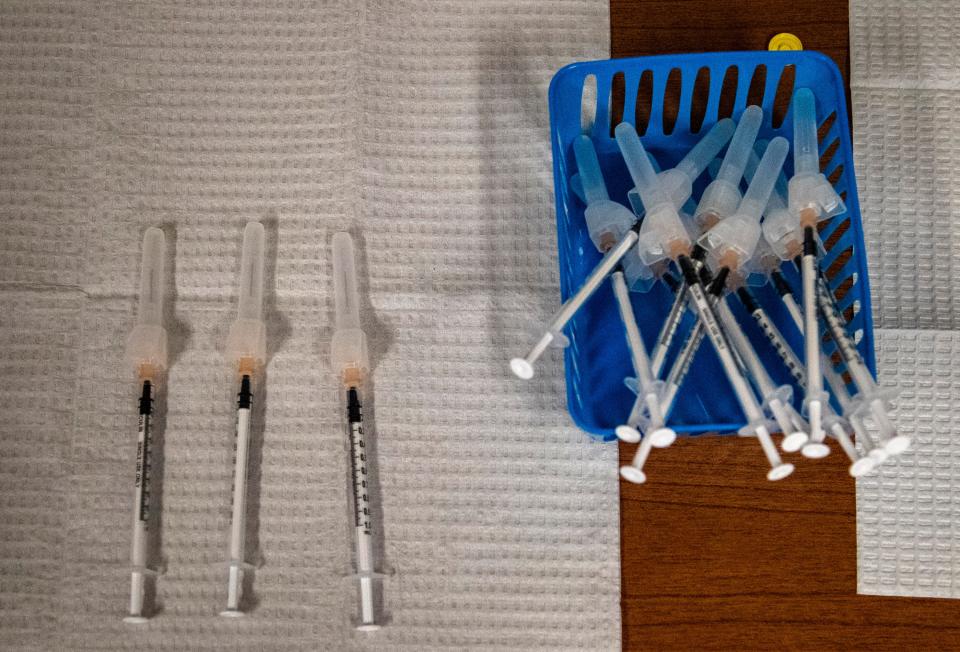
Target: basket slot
[[844, 288], [783, 98], [655, 127], [835, 175], [671, 101], [828, 129], [727, 93], [833, 264], [616, 102], [643, 102], [829, 154], [588, 103], [757, 90], [832, 231], [835, 258], [700, 99], [687, 98], [602, 122], [832, 234], [855, 328], [843, 272], [631, 88], [849, 300]]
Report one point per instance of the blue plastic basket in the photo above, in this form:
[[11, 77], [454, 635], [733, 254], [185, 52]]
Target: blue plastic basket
[[597, 359]]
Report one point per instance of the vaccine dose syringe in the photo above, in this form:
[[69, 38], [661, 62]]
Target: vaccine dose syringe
[[350, 362], [147, 354], [246, 352]]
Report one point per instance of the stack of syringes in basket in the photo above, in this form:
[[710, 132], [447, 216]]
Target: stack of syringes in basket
[[706, 252]]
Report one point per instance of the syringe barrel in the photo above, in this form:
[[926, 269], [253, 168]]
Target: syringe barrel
[[699, 157], [806, 156], [348, 349], [765, 177], [591, 178], [731, 170], [638, 351]]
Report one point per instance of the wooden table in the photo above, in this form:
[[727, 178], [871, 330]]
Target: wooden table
[[714, 556]]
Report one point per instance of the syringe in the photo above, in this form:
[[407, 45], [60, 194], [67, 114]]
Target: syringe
[[613, 230], [796, 439], [147, 354], [650, 390], [839, 389], [756, 422], [870, 398], [838, 426], [833, 422], [523, 367], [664, 236], [777, 399], [680, 368], [350, 361], [720, 200], [811, 199], [246, 351]]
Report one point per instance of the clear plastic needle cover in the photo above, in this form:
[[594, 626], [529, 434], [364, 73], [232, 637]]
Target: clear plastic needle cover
[[732, 242], [812, 198], [348, 350], [607, 221], [662, 234], [147, 344], [721, 197], [247, 341]]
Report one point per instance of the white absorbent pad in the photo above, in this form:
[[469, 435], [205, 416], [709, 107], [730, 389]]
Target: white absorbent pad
[[422, 128], [906, 88]]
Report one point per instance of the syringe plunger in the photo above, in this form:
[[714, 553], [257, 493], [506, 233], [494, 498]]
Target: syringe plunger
[[147, 344], [247, 340], [348, 349]]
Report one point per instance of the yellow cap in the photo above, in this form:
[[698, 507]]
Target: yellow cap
[[785, 41]]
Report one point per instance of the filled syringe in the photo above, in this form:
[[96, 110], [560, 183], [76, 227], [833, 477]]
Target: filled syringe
[[612, 228], [350, 361], [147, 354], [811, 199], [870, 399], [246, 351]]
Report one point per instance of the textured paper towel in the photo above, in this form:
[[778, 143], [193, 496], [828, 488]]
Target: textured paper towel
[[421, 127], [905, 88], [907, 512]]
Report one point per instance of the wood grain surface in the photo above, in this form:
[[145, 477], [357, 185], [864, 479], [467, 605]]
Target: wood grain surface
[[714, 556]]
